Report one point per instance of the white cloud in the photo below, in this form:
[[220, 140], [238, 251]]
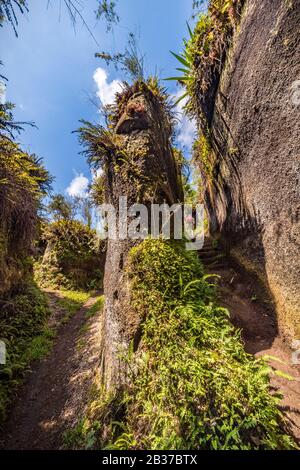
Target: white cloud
[[186, 126], [96, 173], [106, 91], [78, 186], [2, 92]]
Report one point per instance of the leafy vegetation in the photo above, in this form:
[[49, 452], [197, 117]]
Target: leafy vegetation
[[60, 208], [108, 10], [191, 384], [23, 182], [8, 11], [204, 155], [131, 61], [23, 330], [23, 310], [74, 257], [27, 335]]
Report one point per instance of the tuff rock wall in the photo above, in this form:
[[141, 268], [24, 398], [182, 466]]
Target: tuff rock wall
[[141, 166], [252, 193]]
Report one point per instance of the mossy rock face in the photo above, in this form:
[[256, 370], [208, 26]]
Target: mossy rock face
[[74, 257]]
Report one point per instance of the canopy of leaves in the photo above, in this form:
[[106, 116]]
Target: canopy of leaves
[[74, 256], [71, 239], [60, 208], [107, 9]]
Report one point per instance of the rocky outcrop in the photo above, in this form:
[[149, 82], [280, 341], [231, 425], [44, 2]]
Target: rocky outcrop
[[140, 166], [252, 191]]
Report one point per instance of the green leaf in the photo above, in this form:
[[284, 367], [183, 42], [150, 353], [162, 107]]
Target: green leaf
[[179, 79], [181, 98], [189, 30], [186, 71], [181, 59]]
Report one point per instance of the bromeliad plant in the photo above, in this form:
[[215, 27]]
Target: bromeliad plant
[[205, 50], [186, 66]]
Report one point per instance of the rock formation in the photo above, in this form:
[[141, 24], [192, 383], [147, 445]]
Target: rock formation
[[139, 165], [252, 188]]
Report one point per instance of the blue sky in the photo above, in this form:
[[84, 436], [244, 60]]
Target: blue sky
[[53, 74]]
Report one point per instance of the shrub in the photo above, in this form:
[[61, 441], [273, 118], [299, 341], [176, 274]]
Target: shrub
[[204, 55], [74, 257], [192, 385]]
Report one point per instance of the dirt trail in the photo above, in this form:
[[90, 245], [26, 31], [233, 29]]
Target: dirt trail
[[251, 310], [56, 390]]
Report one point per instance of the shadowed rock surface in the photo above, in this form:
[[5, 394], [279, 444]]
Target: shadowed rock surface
[[253, 198]]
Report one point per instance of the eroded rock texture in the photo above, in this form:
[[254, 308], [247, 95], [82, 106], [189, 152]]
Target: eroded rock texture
[[253, 197], [142, 168]]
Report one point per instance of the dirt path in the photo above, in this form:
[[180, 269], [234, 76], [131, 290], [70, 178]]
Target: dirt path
[[57, 388], [252, 311]]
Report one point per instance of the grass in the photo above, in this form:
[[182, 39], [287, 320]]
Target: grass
[[41, 345], [71, 302]]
